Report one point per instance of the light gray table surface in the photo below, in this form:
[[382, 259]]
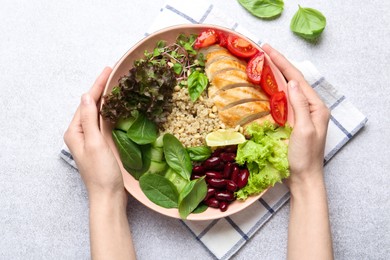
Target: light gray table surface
[[51, 52]]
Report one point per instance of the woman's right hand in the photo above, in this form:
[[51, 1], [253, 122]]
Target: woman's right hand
[[307, 142]]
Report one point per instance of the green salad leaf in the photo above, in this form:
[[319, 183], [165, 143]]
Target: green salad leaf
[[308, 23], [265, 156], [263, 8], [197, 83], [159, 190], [199, 153], [177, 156], [142, 130], [129, 151], [191, 196]]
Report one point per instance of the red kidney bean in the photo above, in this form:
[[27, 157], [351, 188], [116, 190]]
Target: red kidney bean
[[224, 195], [228, 157], [198, 169], [217, 152], [231, 185], [231, 149], [212, 202], [212, 162], [214, 174], [216, 183], [227, 170], [223, 206], [235, 174], [210, 193], [243, 178]]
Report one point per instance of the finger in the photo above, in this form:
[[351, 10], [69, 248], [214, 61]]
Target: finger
[[299, 103], [97, 88], [291, 73], [89, 118]]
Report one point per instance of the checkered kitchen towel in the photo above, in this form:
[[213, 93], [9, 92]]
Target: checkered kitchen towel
[[224, 237]]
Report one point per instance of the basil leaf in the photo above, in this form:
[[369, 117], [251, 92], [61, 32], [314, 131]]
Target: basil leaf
[[197, 83], [177, 156], [308, 23], [143, 130], [263, 8], [129, 151], [199, 153], [190, 197], [159, 190]]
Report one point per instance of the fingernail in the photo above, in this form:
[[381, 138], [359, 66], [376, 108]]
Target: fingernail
[[86, 99], [293, 84]]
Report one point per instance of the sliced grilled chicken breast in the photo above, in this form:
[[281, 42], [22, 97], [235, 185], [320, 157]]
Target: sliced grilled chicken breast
[[233, 115], [239, 102], [230, 97]]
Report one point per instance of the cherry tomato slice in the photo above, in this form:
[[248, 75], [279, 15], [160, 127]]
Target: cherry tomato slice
[[279, 107], [254, 67], [206, 38], [267, 81], [222, 37], [240, 47]]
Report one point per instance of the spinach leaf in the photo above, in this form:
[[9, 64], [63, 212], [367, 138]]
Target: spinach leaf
[[308, 23], [142, 130], [200, 208], [146, 161], [199, 153], [177, 156], [129, 151], [197, 83], [159, 190], [190, 197], [263, 8]]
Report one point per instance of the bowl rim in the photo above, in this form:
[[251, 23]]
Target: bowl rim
[[104, 125]]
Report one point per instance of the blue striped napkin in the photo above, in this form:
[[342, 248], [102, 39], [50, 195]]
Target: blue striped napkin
[[224, 237]]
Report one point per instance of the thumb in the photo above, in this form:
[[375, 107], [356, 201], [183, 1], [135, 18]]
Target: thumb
[[89, 118], [299, 103]]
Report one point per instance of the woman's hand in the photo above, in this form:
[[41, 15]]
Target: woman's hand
[[94, 158], [309, 235], [109, 228], [307, 141]]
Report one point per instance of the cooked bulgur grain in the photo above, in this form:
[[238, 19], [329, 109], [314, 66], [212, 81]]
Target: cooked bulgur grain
[[191, 121]]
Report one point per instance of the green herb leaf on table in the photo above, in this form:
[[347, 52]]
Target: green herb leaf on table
[[142, 130], [129, 151], [177, 156], [199, 153], [191, 196], [266, 9], [159, 190], [308, 23], [197, 83]]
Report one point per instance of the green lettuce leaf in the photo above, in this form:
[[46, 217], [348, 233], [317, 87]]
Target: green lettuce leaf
[[265, 156]]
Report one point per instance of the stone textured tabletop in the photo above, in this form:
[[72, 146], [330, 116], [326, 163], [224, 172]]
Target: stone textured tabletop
[[51, 52]]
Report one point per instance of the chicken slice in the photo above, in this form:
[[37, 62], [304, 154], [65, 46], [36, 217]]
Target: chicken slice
[[222, 65], [226, 98], [232, 116]]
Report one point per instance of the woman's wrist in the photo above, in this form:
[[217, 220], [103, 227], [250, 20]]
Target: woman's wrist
[[103, 198], [302, 184]]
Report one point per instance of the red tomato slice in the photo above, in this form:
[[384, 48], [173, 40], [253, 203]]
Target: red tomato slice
[[255, 67], [206, 38], [267, 81], [240, 47], [222, 37], [279, 107]]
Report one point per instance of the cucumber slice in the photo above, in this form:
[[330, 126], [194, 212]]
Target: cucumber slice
[[124, 123], [176, 179], [157, 154], [159, 142], [157, 167]]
